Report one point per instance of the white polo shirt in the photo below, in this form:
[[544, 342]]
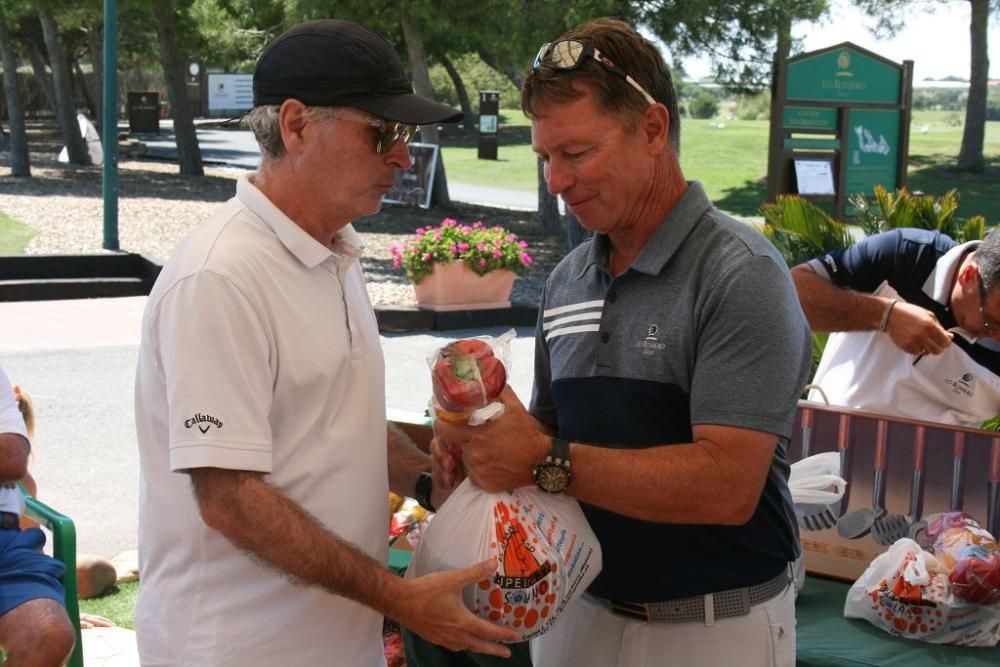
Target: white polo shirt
[[260, 351], [11, 421]]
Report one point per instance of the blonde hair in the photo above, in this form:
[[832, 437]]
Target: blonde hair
[[27, 408]]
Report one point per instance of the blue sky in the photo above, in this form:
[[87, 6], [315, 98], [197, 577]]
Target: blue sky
[[937, 42]]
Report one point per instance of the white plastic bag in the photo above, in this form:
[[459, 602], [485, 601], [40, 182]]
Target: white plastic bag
[[816, 480], [546, 553], [905, 591]]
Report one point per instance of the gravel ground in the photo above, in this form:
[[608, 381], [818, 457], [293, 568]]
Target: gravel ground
[[157, 207]]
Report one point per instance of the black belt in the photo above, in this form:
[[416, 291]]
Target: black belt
[[10, 521], [725, 604]]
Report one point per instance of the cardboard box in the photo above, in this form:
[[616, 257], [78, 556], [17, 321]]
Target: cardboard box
[[954, 469]]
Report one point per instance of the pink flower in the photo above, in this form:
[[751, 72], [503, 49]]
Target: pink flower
[[426, 257], [397, 262], [525, 259], [480, 246], [454, 249], [511, 238], [497, 253], [449, 222], [482, 263], [420, 231], [523, 244], [463, 246]]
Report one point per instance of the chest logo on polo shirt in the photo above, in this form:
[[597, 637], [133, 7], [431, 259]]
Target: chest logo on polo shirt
[[651, 344], [963, 386], [203, 422]]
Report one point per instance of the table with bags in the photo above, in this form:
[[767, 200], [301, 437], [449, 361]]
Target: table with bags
[[826, 638]]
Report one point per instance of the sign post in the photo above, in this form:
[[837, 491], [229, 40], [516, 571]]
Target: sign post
[[489, 114], [843, 111]]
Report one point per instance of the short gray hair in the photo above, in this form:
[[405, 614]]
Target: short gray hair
[[265, 124], [988, 260]]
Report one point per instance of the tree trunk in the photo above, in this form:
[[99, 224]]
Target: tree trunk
[[65, 109], [95, 45], [85, 91], [188, 151], [41, 72], [422, 86], [468, 121], [512, 72], [548, 205], [20, 162], [970, 157]]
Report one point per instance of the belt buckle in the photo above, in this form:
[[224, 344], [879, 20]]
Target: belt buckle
[[637, 611]]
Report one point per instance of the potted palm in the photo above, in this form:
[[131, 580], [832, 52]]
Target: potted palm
[[458, 266]]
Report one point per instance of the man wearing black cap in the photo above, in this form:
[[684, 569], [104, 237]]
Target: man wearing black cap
[[261, 377]]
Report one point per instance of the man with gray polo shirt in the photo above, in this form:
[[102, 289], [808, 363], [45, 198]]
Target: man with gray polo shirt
[[260, 403], [670, 353]]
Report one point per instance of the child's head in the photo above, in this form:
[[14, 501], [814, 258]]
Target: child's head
[[27, 410]]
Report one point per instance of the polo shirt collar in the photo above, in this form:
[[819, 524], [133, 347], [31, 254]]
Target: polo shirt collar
[[667, 238], [939, 283], [347, 244]]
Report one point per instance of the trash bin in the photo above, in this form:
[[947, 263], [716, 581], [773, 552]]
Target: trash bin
[[144, 112]]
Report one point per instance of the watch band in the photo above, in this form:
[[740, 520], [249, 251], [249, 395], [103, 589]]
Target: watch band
[[559, 452], [422, 492]]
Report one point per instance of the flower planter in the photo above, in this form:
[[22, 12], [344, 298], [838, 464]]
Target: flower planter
[[455, 286]]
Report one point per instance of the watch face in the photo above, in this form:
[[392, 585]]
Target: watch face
[[551, 478]]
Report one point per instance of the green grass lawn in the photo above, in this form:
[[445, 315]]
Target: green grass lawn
[[118, 606], [732, 162], [14, 236]]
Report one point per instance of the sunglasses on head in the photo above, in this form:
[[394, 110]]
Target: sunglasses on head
[[570, 54], [387, 132]]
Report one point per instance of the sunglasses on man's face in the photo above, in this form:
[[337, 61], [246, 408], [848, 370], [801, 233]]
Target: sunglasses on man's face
[[992, 326], [387, 132], [570, 54]]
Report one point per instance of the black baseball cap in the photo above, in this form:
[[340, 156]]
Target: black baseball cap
[[331, 62]]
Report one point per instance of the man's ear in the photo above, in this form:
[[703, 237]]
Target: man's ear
[[655, 126], [292, 120], [968, 275]]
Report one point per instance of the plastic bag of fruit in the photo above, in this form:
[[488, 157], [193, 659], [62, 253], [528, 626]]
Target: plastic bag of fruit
[[907, 592], [546, 553], [467, 375]]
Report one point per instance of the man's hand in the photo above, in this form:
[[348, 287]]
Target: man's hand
[[432, 607], [446, 471], [916, 330], [501, 454]]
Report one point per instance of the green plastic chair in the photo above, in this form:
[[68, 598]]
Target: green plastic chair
[[63, 549]]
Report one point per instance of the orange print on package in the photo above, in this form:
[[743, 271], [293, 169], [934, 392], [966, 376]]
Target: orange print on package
[[546, 553]]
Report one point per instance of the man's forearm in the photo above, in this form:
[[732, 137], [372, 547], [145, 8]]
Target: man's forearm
[[832, 308], [14, 450], [406, 461], [272, 528]]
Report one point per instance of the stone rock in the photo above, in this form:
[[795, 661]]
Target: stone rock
[[95, 575]]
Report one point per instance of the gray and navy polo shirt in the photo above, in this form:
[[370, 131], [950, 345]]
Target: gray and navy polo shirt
[[703, 328]]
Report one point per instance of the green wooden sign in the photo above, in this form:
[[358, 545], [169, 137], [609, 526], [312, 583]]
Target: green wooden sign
[[843, 75], [809, 118], [812, 143], [872, 150]]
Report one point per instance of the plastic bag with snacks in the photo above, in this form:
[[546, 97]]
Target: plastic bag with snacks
[[467, 376], [971, 555], [546, 553], [906, 592]]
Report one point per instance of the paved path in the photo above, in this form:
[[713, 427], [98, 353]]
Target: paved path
[[237, 148]]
